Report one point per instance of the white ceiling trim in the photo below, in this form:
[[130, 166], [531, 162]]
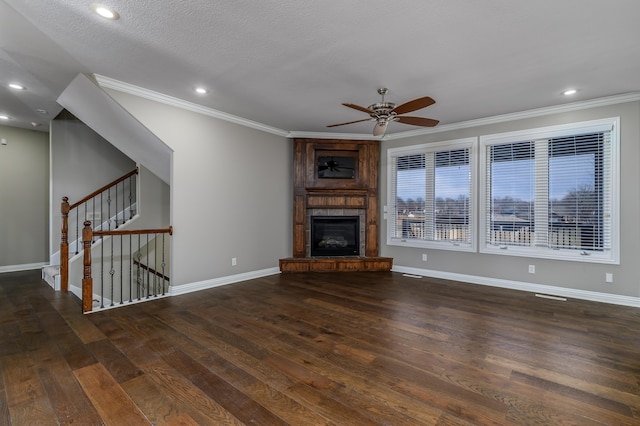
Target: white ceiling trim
[[110, 83], [574, 106], [327, 135]]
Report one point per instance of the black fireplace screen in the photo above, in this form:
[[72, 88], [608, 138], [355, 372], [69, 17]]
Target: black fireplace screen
[[335, 236]]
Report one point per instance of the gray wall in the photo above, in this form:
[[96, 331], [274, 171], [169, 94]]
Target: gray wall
[[24, 198], [81, 162], [573, 275], [231, 192]]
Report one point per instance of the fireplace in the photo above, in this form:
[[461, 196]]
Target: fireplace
[[335, 218], [335, 236]]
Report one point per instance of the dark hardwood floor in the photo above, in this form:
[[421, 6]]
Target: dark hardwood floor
[[353, 348]]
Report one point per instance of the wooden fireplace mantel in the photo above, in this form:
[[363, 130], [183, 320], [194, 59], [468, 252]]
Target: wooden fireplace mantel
[[335, 174]]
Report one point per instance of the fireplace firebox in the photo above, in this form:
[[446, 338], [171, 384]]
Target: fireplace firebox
[[335, 236]]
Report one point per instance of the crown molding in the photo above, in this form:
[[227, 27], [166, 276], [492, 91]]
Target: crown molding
[[109, 83], [538, 112], [327, 135]]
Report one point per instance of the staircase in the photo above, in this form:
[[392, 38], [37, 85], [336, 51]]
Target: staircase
[[129, 265]]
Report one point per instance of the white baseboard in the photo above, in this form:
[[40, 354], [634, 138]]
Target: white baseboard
[[216, 282], [594, 296], [185, 288], [23, 267]]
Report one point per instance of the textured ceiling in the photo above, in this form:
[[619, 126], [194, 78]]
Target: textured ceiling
[[290, 64]]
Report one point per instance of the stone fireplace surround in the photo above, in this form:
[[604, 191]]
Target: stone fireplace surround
[[353, 195]]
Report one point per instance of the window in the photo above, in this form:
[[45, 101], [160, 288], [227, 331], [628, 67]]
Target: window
[[431, 200], [551, 192]]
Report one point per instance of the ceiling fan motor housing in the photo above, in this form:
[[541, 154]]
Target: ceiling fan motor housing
[[382, 112]]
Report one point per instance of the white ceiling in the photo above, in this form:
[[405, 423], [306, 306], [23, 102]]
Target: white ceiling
[[290, 64]]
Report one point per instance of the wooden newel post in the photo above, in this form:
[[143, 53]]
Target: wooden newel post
[[64, 246], [87, 281]]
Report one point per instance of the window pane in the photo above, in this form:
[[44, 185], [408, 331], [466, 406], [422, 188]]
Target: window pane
[[452, 196], [551, 192], [512, 194], [576, 192], [410, 193], [432, 194]]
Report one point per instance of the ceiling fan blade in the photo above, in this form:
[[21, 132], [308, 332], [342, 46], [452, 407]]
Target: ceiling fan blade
[[379, 129], [350, 122], [417, 121], [413, 105], [359, 108]]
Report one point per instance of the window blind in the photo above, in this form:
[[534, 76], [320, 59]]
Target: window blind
[[431, 193], [550, 193]]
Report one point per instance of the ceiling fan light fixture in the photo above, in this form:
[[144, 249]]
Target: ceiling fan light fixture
[[380, 128]]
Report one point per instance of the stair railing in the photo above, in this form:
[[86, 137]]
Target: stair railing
[[92, 207], [133, 266]]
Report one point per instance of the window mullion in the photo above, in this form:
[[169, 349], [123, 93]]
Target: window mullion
[[430, 208], [541, 202], [394, 197], [607, 193]]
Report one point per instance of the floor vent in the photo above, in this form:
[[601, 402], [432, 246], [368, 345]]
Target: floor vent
[[547, 296], [411, 276]]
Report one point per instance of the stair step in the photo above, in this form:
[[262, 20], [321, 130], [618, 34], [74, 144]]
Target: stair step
[[51, 275]]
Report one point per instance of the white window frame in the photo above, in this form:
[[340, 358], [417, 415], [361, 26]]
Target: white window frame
[[427, 148], [608, 256]]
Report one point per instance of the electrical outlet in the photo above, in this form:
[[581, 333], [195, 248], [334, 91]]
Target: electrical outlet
[[234, 261], [608, 277], [424, 257], [532, 269]]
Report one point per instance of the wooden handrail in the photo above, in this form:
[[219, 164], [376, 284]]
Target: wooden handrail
[[168, 230], [87, 238], [104, 188], [64, 239]]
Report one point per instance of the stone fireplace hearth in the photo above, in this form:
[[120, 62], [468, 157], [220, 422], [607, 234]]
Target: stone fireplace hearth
[[335, 178]]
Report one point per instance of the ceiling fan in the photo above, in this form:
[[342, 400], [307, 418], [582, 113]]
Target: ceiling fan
[[385, 112]]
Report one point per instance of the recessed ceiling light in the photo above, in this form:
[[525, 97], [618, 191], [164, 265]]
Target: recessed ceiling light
[[4, 117], [569, 92], [41, 111], [201, 90], [105, 11], [17, 86]]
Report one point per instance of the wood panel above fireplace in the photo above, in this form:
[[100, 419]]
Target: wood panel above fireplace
[[340, 177]]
